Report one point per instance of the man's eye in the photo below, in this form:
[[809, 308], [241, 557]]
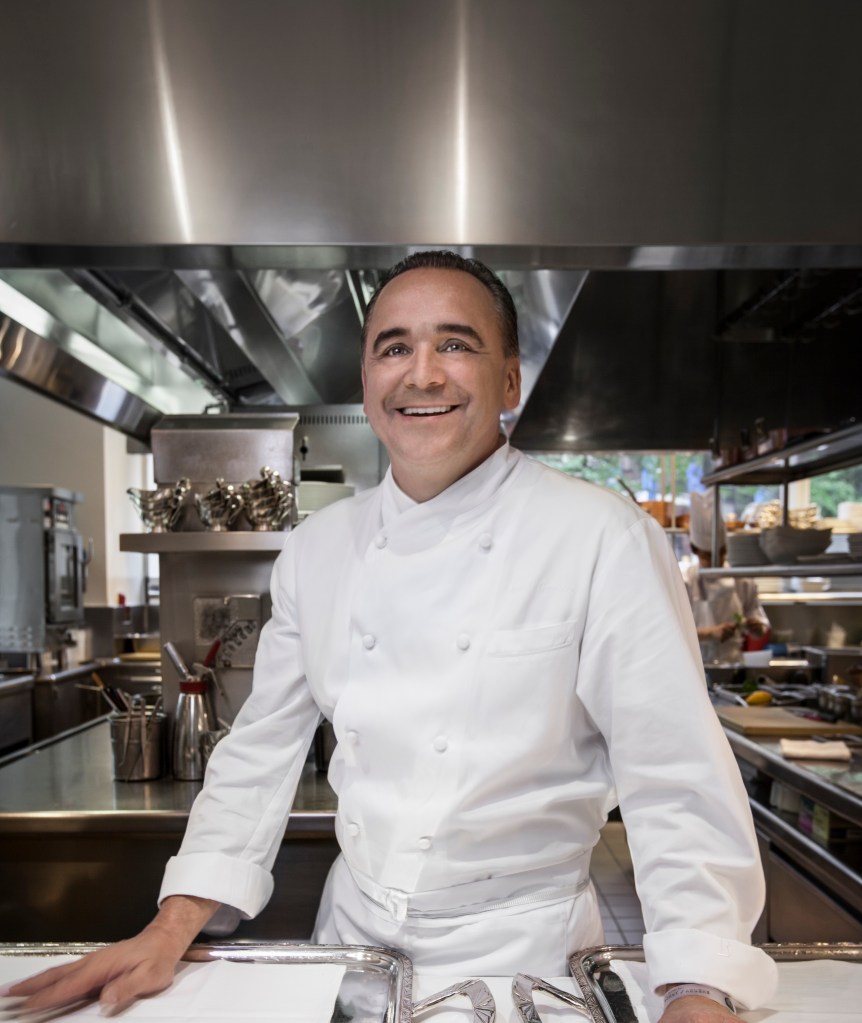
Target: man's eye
[[395, 350], [453, 345]]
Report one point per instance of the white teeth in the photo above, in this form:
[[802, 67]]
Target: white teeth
[[436, 411]]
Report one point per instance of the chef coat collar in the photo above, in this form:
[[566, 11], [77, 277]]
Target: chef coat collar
[[462, 496]]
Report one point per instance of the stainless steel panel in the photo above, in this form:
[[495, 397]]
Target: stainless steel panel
[[802, 911], [233, 446], [491, 122], [36, 362], [22, 557]]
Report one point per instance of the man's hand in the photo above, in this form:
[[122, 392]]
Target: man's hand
[[694, 1009], [119, 974]]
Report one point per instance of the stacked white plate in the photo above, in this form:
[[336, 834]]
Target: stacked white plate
[[743, 548], [784, 544], [854, 545]]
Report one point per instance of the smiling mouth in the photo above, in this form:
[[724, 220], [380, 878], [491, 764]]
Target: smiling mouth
[[430, 410]]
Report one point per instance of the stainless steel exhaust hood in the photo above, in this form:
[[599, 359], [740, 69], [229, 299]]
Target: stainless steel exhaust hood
[[224, 182]]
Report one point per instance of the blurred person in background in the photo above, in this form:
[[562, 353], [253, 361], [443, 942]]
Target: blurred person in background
[[727, 610]]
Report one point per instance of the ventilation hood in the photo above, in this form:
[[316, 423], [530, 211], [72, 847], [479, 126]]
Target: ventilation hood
[[197, 219]]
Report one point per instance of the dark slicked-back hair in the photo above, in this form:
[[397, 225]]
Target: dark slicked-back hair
[[442, 259]]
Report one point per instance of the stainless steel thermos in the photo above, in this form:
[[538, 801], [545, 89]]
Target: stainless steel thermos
[[194, 718]]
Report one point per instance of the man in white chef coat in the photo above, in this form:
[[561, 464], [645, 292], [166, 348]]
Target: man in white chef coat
[[505, 654], [724, 609]]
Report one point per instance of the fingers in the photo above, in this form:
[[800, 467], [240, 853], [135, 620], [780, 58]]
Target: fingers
[[39, 981], [117, 975], [147, 978]]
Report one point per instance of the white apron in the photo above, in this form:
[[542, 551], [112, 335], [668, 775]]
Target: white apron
[[534, 934], [716, 601]]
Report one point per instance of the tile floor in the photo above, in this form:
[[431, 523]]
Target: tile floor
[[611, 870]]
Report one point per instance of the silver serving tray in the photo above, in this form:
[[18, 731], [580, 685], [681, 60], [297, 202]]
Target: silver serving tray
[[377, 986], [606, 996]]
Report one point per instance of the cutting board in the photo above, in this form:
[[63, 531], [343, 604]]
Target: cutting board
[[778, 721]]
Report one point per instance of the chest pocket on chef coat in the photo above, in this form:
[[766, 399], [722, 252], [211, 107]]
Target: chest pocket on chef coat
[[526, 641], [526, 690]]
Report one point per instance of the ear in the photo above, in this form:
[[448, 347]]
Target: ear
[[512, 383]]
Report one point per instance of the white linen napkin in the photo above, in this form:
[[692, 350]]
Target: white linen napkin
[[808, 749], [217, 990]]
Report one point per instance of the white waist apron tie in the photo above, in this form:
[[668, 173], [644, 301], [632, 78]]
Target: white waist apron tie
[[529, 922]]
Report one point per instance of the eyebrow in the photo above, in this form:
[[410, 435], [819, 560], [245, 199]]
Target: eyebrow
[[464, 329]]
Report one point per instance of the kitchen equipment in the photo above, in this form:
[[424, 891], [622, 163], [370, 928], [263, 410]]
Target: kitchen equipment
[[269, 501], [192, 721], [219, 508], [44, 568], [783, 545], [817, 981], [777, 721], [160, 509], [137, 745]]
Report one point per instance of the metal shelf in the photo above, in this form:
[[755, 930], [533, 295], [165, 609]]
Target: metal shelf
[[801, 571], [231, 542], [811, 457]]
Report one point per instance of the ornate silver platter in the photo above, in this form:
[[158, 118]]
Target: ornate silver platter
[[605, 993], [377, 986]]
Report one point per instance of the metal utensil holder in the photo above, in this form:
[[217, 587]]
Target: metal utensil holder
[[138, 746]]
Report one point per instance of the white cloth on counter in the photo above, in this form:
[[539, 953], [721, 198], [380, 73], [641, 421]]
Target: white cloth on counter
[[502, 665], [217, 990], [808, 992], [809, 749]]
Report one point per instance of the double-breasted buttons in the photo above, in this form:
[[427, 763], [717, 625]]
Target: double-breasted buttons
[[441, 744], [424, 843], [463, 641], [353, 829], [369, 641], [486, 542], [351, 737], [380, 541]]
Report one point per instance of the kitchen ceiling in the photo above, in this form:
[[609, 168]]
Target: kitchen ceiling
[[199, 215]]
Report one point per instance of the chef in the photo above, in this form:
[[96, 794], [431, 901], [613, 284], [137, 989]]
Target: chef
[[724, 609], [505, 654]]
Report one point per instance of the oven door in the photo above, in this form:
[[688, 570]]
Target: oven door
[[65, 576]]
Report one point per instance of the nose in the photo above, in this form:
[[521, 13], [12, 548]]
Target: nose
[[426, 370]]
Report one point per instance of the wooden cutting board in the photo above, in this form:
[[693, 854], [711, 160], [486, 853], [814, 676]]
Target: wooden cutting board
[[778, 721]]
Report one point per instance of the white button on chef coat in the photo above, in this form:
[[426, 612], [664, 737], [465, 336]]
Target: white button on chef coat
[[441, 744], [486, 541], [463, 641], [424, 843], [353, 829], [351, 737], [380, 540], [368, 641]]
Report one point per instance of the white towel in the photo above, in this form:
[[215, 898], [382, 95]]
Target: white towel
[[808, 749]]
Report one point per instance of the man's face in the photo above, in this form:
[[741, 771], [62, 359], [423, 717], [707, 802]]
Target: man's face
[[436, 377]]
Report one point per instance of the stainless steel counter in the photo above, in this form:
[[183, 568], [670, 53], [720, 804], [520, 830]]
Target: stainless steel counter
[[834, 784], [83, 855], [65, 786], [814, 888]]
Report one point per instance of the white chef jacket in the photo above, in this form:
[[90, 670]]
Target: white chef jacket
[[502, 664], [714, 601]]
